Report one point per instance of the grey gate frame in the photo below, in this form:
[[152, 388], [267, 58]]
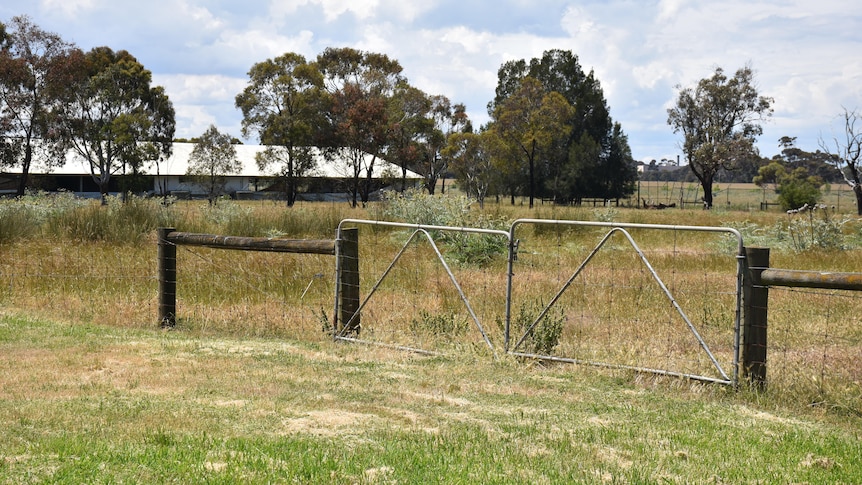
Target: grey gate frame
[[341, 330], [621, 228]]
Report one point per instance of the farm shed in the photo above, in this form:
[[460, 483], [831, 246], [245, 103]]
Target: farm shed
[[329, 181]]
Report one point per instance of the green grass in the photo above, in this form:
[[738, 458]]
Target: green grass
[[96, 404]]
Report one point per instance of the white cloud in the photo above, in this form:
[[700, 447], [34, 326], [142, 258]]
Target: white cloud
[[70, 8], [803, 52]]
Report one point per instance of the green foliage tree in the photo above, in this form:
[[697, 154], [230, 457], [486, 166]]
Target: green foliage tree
[[283, 104], [720, 121], [471, 162], [211, 160], [116, 120], [582, 163], [444, 120], [408, 113], [797, 189], [846, 153], [35, 70], [530, 122], [360, 85]]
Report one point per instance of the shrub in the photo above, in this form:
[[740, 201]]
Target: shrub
[[438, 325], [545, 335], [814, 226], [416, 207]]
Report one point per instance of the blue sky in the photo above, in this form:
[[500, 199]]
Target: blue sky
[[806, 54]]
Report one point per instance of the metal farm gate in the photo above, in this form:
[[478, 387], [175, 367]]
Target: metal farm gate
[[651, 298]]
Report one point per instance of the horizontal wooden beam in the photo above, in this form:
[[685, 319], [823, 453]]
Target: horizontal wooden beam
[[303, 246], [812, 279]]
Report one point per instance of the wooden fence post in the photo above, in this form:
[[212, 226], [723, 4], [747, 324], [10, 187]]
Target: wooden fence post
[[756, 300], [167, 256], [349, 281]]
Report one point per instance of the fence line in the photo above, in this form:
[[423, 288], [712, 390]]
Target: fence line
[[802, 310], [169, 239]]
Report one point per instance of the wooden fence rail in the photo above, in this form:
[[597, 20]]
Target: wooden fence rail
[[347, 252]]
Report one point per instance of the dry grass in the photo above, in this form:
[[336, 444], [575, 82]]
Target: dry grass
[[615, 311]]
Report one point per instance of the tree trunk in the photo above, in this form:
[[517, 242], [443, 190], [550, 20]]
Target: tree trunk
[[25, 168], [857, 190], [706, 183]]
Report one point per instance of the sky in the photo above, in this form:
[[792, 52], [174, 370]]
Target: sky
[[806, 54]]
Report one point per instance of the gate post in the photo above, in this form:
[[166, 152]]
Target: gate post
[[756, 299], [167, 255], [348, 264]]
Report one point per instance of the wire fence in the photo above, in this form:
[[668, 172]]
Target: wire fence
[[441, 296], [815, 346], [219, 291]]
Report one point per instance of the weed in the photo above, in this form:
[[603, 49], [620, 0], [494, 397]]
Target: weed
[[415, 206], [438, 325], [814, 226], [544, 336]]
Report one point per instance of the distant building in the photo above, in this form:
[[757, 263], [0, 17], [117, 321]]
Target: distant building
[[330, 180]]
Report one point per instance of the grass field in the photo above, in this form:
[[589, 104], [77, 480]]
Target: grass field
[[249, 388]]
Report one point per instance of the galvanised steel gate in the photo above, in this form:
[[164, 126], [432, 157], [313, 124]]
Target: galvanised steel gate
[[669, 305], [652, 298]]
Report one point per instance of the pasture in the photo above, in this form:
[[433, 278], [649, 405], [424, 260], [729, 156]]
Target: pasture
[[250, 387]]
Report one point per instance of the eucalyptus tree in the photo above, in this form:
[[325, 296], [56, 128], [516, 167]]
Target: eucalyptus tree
[[360, 85], [35, 70], [720, 122], [116, 120], [471, 161], [212, 159], [530, 121], [445, 120], [283, 105], [408, 114]]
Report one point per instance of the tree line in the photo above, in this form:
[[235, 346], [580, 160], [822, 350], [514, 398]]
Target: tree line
[[550, 134]]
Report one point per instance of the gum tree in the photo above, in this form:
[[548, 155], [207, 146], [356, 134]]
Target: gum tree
[[530, 122], [360, 85], [720, 121], [116, 120], [211, 160], [35, 69], [282, 104]]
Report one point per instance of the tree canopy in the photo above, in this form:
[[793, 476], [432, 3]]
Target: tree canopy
[[212, 159], [720, 121], [116, 120], [359, 85], [587, 155], [35, 70], [283, 105]]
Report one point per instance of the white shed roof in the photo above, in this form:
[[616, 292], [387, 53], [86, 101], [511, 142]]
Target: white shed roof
[[178, 163]]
